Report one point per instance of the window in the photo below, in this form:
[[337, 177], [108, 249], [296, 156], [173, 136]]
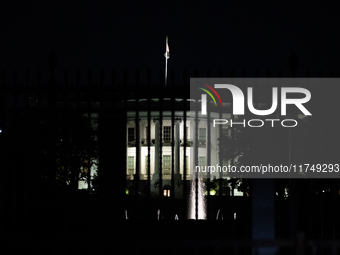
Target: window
[[202, 135], [131, 134], [131, 165], [202, 161], [166, 164], [166, 191], [167, 134]]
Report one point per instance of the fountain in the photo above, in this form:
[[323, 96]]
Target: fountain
[[201, 203], [219, 215], [126, 215], [176, 217]]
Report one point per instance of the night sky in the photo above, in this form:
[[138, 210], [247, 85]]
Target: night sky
[[203, 35]]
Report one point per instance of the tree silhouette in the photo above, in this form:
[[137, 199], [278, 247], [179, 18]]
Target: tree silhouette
[[54, 152], [76, 151], [234, 148]]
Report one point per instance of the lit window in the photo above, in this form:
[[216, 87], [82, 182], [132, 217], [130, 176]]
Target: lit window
[[202, 135], [131, 165], [166, 191], [202, 161], [167, 134], [131, 134], [166, 164]]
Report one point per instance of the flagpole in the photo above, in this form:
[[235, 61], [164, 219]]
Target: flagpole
[[166, 71], [167, 56]]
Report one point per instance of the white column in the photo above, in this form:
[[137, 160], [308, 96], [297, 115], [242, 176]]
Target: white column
[[177, 146], [156, 175], [177, 175], [157, 143], [192, 149]]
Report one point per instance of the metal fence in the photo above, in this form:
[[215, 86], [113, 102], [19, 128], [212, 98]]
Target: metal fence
[[112, 102]]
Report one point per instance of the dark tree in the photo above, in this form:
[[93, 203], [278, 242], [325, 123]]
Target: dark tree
[[52, 152], [76, 151], [235, 149]]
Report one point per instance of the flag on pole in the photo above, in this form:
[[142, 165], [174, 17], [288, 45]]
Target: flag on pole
[[167, 49], [167, 56]]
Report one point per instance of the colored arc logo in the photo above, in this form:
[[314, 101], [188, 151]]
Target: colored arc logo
[[211, 88]]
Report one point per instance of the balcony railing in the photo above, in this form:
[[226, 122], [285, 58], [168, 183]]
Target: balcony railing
[[202, 143], [132, 143], [146, 142]]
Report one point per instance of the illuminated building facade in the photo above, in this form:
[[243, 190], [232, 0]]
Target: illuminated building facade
[[160, 146]]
